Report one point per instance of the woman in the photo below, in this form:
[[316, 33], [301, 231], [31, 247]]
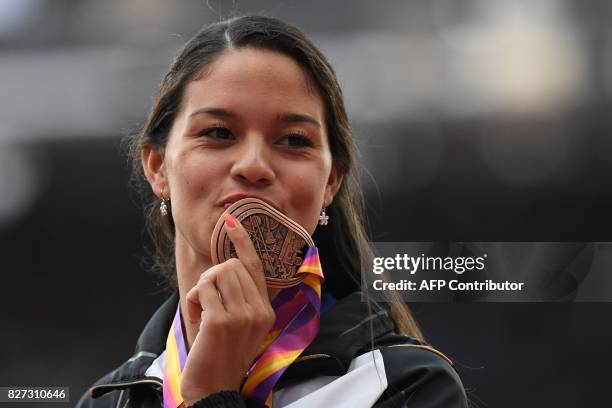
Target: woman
[[250, 108]]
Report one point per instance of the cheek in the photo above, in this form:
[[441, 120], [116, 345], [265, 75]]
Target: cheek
[[195, 182], [189, 179], [306, 198]]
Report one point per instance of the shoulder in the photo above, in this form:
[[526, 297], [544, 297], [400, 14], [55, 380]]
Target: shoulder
[[420, 376]]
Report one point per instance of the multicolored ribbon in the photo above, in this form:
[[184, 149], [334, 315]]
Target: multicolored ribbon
[[176, 356], [297, 310]]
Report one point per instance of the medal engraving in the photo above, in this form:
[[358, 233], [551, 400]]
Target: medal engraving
[[279, 241]]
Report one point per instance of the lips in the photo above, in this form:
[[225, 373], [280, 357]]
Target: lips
[[231, 199]]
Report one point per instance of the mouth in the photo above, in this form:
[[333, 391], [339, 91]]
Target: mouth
[[231, 199]]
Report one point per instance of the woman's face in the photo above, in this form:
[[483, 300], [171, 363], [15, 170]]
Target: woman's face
[[250, 125]]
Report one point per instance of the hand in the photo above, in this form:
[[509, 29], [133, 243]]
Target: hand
[[230, 301]]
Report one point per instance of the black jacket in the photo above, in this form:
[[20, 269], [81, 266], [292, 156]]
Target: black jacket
[[328, 373]]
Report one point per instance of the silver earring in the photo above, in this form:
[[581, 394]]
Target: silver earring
[[323, 218], [163, 208]]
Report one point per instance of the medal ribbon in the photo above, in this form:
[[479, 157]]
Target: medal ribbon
[[297, 310], [176, 356]]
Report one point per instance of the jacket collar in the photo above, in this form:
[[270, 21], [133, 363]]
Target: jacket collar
[[346, 328]]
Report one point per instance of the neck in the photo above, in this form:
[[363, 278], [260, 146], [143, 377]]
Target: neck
[[189, 266]]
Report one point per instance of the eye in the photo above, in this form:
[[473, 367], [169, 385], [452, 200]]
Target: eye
[[297, 140], [217, 132]]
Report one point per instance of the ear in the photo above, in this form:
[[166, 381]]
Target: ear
[[333, 183], [153, 164]]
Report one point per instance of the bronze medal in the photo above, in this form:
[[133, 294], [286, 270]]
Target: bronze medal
[[279, 241]]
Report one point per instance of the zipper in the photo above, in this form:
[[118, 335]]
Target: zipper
[[126, 384], [311, 357]]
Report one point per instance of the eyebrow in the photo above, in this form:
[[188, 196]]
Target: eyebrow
[[283, 117]]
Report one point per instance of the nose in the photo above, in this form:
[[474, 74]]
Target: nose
[[252, 162]]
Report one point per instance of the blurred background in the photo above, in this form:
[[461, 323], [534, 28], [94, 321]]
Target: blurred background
[[477, 120]]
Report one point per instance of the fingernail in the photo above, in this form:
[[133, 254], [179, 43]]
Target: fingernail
[[230, 220]]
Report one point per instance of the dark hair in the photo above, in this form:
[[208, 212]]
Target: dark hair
[[343, 244]]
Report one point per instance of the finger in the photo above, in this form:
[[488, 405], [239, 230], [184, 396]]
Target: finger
[[203, 296], [249, 289], [229, 285], [246, 252]]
